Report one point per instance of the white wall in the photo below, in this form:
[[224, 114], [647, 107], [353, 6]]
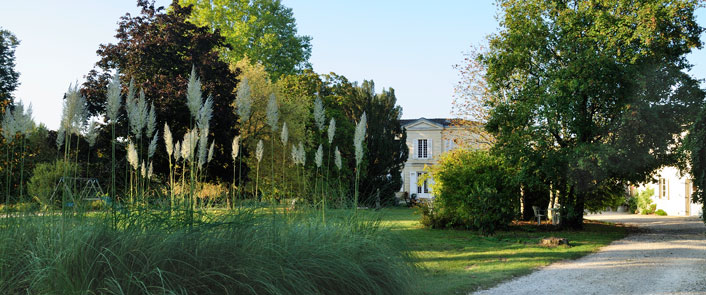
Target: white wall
[[675, 201]]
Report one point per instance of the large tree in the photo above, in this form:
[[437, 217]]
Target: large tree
[[263, 30], [8, 75], [158, 50], [345, 101], [696, 145], [597, 88]]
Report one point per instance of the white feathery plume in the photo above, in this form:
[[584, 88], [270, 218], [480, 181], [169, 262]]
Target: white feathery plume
[[235, 147], [28, 121], [142, 112], [319, 114], [331, 130], [153, 145], [74, 111], [302, 154], [337, 159], [272, 113], [143, 169], [188, 145], [132, 155], [17, 116], [8, 125], [285, 134], [149, 171], [243, 101], [59, 138], [193, 93], [114, 99], [205, 114], [168, 140], [69, 108], [259, 150], [295, 154], [134, 113], [151, 121], [92, 134], [203, 147], [210, 152], [177, 151], [319, 156], [359, 137], [23, 122], [79, 120]]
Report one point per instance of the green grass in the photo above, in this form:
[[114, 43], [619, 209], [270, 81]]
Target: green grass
[[224, 253], [456, 261]]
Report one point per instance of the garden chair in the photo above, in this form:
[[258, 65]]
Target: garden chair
[[538, 214]]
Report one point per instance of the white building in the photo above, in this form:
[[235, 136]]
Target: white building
[[426, 140], [672, 193]]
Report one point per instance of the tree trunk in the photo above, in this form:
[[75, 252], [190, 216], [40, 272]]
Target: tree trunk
[[572, 215], [533, 196]]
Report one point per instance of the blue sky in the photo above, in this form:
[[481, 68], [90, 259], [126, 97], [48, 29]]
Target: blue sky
[[410, 46]]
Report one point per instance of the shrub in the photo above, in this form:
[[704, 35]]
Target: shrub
[[644, 201], [45, 177], [474, 190], [632, 204], [661, 212]]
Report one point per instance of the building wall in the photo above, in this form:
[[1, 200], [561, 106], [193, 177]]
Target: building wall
[[441, 141], [418, 165], [678, 193]]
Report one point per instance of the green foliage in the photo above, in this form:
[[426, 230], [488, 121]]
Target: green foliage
[[661, 212], [632, 204], [263, 30], [158, 50], [233, 254], [696, 145], [345, 101], [473, 190], [591, 93], [45, 177], [644, 201], [8, 74]]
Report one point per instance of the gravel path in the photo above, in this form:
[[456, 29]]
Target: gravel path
[[668, 257]]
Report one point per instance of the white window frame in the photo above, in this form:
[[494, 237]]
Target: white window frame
[[422, 150], [424, 188]]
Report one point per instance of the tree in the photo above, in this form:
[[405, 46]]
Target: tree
[[158, 51], [8, 75], [386, 149], [263, 30], [696, 146], [293, 109], [344, 101], [596, 88]]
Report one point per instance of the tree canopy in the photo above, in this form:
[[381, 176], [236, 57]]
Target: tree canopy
[[158, 50], [263, 30], [595, 90], [8, 74]]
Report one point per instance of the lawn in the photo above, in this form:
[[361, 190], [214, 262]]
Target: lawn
[[456, 261]]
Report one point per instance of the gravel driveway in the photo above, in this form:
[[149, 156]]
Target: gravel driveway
[[667, 257]]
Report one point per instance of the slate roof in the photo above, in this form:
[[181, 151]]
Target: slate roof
[[441, 121]]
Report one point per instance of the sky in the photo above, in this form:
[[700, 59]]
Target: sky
[[410, 46]]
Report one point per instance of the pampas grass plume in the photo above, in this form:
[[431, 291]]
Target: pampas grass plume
[[259, 150], [114, 99], [168, 140]]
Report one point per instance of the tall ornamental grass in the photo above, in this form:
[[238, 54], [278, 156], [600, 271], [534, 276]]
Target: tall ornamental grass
[[234, 254]]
